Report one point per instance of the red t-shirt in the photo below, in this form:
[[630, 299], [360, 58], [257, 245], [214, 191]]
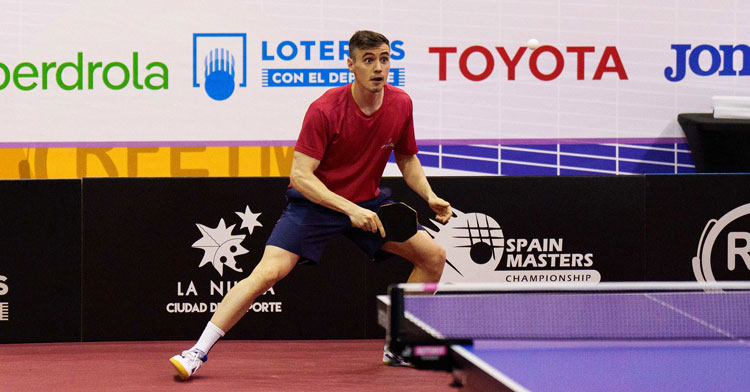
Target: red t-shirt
[[353, 148]]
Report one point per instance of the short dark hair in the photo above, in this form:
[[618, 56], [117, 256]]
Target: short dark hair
[[364, 39]]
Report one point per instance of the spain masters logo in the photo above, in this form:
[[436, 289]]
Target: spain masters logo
[[478, 251]]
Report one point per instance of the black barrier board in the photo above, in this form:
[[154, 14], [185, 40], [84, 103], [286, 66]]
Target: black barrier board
[[40, 238], [159, 254], [539, 229], [698, 227]]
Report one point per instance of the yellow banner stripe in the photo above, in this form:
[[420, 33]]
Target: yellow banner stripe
[[62, 163]]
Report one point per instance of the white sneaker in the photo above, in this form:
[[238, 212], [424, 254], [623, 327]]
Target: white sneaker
[[188, 362], [392, 359]]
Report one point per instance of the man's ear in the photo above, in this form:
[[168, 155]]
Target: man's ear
[[350, 63]]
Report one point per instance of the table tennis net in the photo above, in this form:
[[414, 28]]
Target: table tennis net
[[582, 315]]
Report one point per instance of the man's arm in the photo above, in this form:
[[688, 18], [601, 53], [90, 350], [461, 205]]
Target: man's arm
[[417, 181], [304, 180]]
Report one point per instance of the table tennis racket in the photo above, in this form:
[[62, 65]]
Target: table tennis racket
[[399, 221]]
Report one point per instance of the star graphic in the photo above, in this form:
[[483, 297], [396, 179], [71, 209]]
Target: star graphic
[[249, 220]]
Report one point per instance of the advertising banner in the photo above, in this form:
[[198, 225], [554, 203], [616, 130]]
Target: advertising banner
[[539, 229], [230, 71], [547, 87], [168, 250], [698, 228], [40, 264], [159, 255], [150, 259]]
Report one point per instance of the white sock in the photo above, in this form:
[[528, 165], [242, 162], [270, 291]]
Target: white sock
[[208, 338]]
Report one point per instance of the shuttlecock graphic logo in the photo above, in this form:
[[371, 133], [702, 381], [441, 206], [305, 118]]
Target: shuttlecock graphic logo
[[219, 74], [220, 247], [219, 63], [473, 244]]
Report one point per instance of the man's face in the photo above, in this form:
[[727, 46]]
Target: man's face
[[370, 66]]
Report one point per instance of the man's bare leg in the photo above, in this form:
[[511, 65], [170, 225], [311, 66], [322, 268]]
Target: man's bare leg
[[427, 256], [274, 266]]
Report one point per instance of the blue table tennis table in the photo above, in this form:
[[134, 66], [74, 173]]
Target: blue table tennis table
[[577, 341]]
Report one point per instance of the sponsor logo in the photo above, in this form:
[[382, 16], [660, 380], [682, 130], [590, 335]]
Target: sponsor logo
[[221, 246], [81, 74], [724, 248], [4, 306], [287, 57], [484, 58], [477, 251], [219, 63], [707, 60]]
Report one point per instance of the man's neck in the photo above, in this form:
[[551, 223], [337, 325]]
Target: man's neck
[[368, 101]]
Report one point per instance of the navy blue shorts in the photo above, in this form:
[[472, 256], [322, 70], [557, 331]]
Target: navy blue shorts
[[305, 228]]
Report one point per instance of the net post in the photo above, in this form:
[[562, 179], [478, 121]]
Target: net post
[[396, 318]]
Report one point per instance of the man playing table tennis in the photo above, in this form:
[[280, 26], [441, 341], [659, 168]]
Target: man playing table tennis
[[346, 139]]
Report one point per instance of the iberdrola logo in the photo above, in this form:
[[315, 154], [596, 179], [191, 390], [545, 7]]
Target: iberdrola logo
[[85, 74], [220, 245]]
